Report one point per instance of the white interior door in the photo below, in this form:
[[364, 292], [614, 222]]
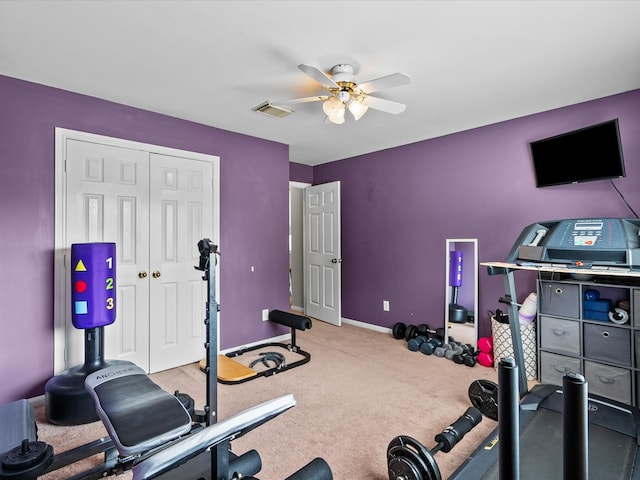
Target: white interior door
[[181, 193], [322, 253], [108, 201], [155, 207]]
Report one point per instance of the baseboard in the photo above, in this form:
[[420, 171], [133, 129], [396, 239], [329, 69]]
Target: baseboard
[[296, 308], [368, 326], [279, 339]]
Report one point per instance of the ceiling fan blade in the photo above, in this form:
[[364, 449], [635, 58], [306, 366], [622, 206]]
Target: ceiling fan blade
[[389, 81], [319, 76], [317, 98], [383, 105]]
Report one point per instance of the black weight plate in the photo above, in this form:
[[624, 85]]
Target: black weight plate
[[22, 457], [399, 329], [410, 460], [484, 396], [423, 329], [412, 331], [26, 461]]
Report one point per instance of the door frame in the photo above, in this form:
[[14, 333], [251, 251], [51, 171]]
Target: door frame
[[297, 223], [321, 314], [61, 292]]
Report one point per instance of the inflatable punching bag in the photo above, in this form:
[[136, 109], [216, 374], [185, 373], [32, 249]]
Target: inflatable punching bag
[[457, 313], [93, 306]]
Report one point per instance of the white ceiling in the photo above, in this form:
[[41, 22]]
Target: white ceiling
[[472, 63]]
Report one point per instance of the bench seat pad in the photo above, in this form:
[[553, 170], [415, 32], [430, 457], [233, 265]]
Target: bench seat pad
[[136, 412]]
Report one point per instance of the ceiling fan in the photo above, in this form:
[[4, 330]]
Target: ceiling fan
[[346, 94]]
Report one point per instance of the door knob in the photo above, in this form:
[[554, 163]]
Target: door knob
[[156, 274], [142, 274], [336, 260]]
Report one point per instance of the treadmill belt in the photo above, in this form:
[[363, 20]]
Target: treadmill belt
[[541, 450]]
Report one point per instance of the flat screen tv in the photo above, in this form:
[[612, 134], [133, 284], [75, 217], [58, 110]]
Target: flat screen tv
[[591, 153]]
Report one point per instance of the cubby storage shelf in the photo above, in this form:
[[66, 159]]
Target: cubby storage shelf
[[577, 332]]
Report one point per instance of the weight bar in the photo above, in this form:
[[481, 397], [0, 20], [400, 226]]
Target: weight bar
[[408, 459], [484, 396]]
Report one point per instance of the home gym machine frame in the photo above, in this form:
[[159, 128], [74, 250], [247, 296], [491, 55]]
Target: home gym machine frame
[[202, 453]]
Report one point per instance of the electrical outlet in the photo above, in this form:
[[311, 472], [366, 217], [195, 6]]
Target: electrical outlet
[[385, 305], [265, 314]]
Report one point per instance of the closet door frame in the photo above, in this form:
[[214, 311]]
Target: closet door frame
[[61, 247]]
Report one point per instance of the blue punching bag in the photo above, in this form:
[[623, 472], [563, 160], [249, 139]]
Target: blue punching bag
[[93, 284], [93, 306], [457, 313]]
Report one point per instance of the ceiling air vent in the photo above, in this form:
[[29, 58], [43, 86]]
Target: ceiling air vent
[[276, 111]]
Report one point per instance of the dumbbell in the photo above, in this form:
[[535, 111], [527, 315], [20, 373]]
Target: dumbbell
[[485, 354], [467, 357], [415, 343], [455, 349], [442, 349], [408, 459], [430, 345]]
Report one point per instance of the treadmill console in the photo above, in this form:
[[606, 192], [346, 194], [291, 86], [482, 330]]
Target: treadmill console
[[580, 242]]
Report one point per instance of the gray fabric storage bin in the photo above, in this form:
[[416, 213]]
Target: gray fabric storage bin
[[608, 381], [562, 299], [607, 343], [554, 367], [562, 336]]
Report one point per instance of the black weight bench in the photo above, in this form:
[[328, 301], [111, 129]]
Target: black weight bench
[[232, 372], [152, 432], [139, 416], [137, 413]]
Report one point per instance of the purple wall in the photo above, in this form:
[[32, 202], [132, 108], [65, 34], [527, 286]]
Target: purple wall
[[399, 206], [254, 220], [300, 173]]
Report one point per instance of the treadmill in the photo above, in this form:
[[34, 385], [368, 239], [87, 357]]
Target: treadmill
[[613, 427]]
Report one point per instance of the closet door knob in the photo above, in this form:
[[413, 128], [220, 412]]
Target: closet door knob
[[156, 274], [142, 274]]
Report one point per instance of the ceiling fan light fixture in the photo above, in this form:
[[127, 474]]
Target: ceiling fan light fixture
[[357, 109], [345, 92], [337, 119], [331, 106]]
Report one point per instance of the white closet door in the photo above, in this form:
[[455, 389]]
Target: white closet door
[[180, 215], [108, 201]]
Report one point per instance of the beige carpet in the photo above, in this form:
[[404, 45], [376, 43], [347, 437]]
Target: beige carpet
[[360, 390]]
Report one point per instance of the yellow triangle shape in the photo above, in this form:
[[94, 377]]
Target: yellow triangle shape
[[80, 267]]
